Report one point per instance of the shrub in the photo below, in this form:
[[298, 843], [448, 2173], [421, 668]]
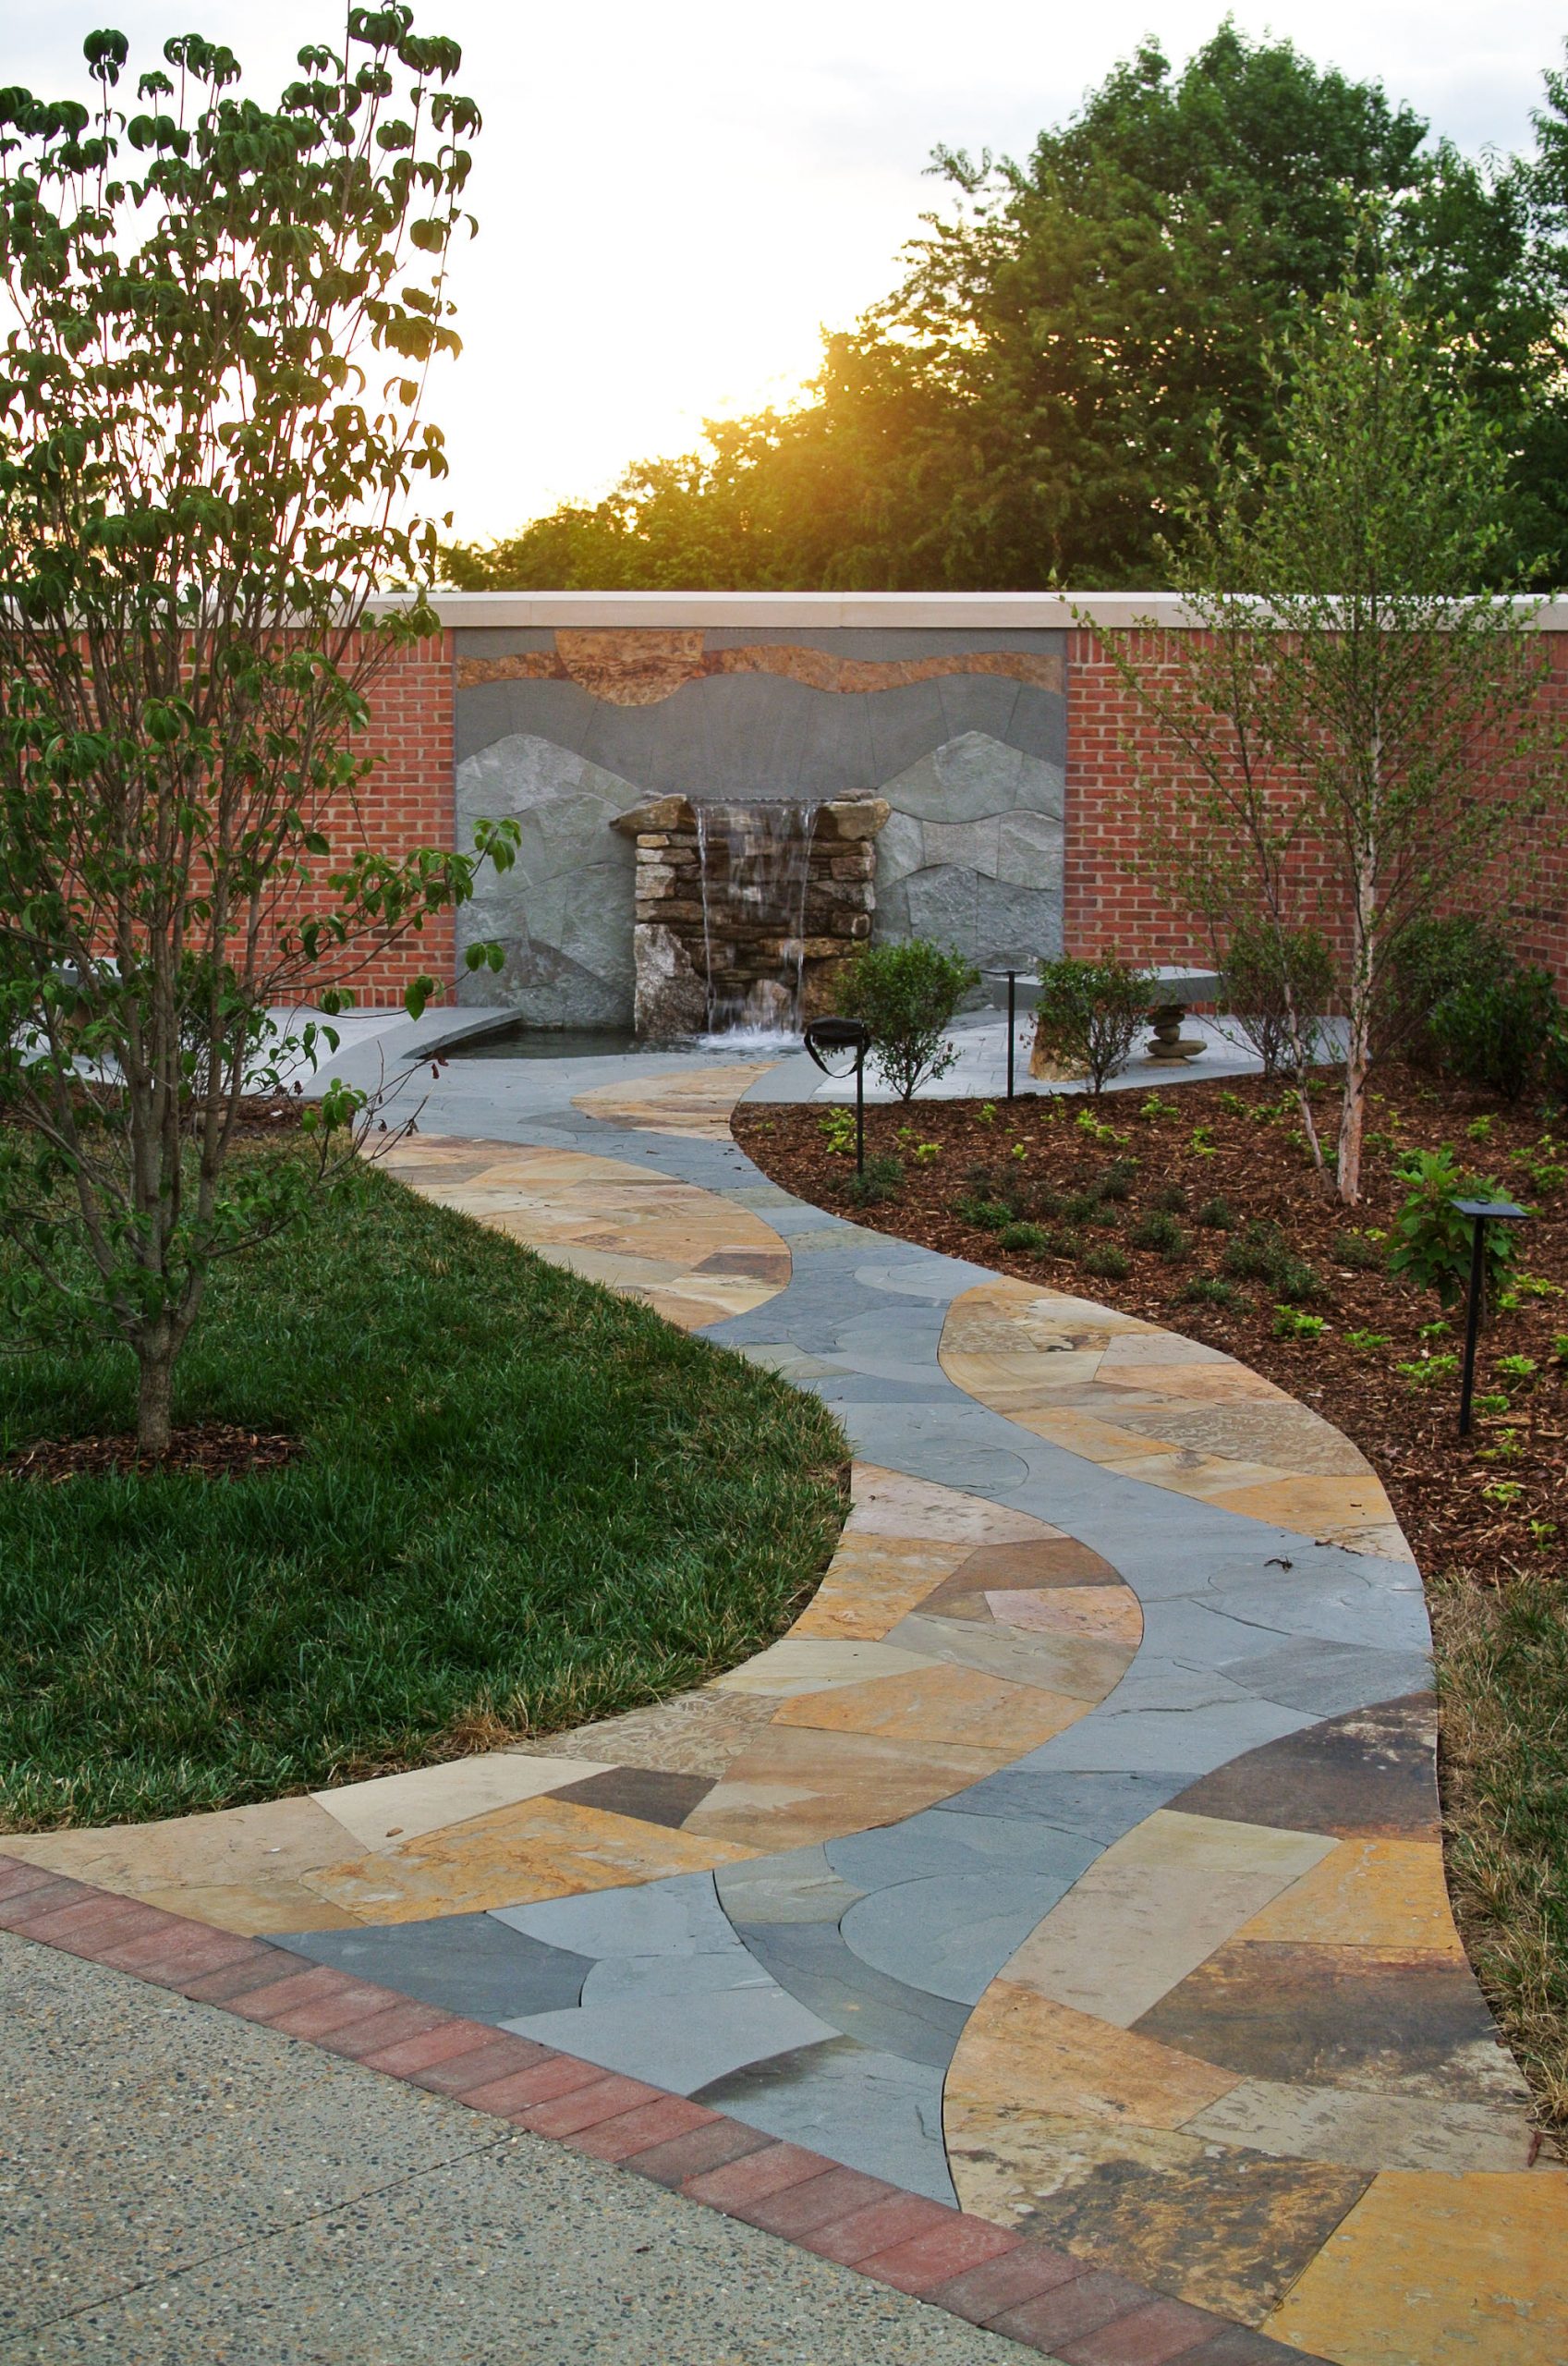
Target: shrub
[[884, 1179], [1171, 1198], [1435, 959], [1263, 1255], [1116, 1183], [907, 994], [1354, 1251], [1023, 1236], [1107, 1262], [1216, 1215], [1554, 1067], [1210, 1289], [1088, 1016], [990, 1215], [1431, 1239], [1268, 972], [1492, 1032], [1158, 1230]]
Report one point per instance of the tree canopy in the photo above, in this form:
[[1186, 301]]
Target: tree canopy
[[1077, 335]]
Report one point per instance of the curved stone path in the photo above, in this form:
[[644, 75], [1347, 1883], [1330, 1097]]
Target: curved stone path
[[1076, 1856]]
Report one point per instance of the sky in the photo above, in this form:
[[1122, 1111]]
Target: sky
[[673, 201]]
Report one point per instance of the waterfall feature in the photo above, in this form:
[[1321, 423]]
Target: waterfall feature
[[755, 864]]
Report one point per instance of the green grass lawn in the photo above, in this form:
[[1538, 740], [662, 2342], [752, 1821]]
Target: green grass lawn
[[523, 1502], [1502, 1669]]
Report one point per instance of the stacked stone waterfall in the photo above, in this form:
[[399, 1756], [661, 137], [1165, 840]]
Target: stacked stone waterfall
[[746, 913]]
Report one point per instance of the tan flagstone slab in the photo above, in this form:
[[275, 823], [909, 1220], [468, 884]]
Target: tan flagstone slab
[[1154, 1906], [1382, 2130], [793, 1786], [231, 1847], [702, 1732], [1439, 2270], [1219, 2228], [401, 1807], [941, 1704], [871, 1582], [1019, 2045], [887, 1503], [252, 1911], [1104, 1614], [1073, 1664], [694, 1102], [692, 1253], [1168, 1412], [790, 1668], [542, 1848], [1367, 1894]]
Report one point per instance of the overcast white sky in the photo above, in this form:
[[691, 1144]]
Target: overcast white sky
[[673, 200]]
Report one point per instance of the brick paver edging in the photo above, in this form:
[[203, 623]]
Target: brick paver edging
[[1007, 2282]]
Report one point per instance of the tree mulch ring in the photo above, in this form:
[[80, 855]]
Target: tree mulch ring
[[1379, 1368], [206, 1450]]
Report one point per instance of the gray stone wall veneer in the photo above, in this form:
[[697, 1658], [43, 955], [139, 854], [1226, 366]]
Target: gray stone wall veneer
[[971, 761]]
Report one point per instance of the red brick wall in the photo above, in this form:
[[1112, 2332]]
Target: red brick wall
[[1108, 907], [406, 801]]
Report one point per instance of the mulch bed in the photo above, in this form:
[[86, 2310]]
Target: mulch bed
[[206, 1450], [1492, 1505]]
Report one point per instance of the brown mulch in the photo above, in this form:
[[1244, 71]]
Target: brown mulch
[[206, 1450], [1492, 1505]]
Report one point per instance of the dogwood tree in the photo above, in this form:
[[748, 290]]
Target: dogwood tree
[[218, 319]]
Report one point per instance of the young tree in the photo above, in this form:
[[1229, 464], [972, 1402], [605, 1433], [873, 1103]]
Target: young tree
[[1349, 687], [202, 484]]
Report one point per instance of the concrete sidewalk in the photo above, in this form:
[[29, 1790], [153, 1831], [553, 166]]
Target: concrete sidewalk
[[178, 2188]]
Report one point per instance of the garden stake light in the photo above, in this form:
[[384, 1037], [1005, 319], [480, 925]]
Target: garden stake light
[[1481, 1213], [1011, 1024], [850, 1035]]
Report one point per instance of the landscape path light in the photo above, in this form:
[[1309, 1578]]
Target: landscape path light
[[1480, 1213], [854, 1036]]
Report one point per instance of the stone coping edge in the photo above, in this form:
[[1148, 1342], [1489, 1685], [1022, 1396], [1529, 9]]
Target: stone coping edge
[[928, 611], [1009, 2284]]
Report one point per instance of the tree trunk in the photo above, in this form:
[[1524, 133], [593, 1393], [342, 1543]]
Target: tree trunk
[[155, 1395]]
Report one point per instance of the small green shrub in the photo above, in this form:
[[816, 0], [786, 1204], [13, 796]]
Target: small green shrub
[[1278, 984], [1366, 1342], [1024, 1236], [1157, 1230], [988, 1215], [1108, 1262], [1518, 1368], [1262, 1254], [1088, 1014], [1081, 1207], [884, 1179], [907, 994], [1169, 1200], [1430, 1371], [1290, 1324], [1117, 1181], [1210, 1289], [1491, 1031], [1554, 1067], [1433, 959], [838, 1130], [1431, 1239], [1216, 1215], [1559, 1347], [1354, 1251]]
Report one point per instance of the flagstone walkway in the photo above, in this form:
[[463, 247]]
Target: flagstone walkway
[[1076, 1856]]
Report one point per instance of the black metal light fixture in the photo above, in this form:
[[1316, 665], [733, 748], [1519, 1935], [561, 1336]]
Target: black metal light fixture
[[851, 1036], [1480, 1213]]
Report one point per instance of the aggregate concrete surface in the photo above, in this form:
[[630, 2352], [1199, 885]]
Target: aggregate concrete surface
[[180, 2188]]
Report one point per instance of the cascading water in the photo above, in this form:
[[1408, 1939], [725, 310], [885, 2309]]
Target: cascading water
[[755, 870]]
